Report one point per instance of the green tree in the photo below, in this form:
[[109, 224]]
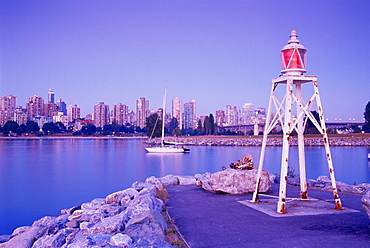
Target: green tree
[[154, 126], [131, 129], [366, 126], [206, 125], [212, 125], [107, 129], [61, 127], [10, 126], [199, 129], [173, 124], [116, 128], [32, 126], [19, 131], [88, 129], [124, 129], [209, 125], [176, 132], [48, 128]]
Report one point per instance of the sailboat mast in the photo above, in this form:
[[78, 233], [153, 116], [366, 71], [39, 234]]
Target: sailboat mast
[[163, 114]]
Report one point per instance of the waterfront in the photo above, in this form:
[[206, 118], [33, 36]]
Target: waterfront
[[39, 177]]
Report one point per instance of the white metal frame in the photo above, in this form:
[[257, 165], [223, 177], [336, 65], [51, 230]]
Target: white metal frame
[[284, 109]]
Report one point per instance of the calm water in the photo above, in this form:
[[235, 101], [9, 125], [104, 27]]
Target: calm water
[[41, 177]]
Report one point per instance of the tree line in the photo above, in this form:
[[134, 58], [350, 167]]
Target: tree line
[[153, 127]]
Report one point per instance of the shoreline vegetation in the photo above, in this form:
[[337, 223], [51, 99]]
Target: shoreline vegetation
[[355, 139]]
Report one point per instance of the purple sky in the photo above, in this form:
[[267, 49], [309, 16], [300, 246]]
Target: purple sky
[[216, 52]]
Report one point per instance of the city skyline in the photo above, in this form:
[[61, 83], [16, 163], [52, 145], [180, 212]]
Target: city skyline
[[215, 52], [234, 114]]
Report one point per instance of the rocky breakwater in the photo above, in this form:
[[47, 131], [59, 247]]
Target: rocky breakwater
[[133, 217], [215, 141], [129, 218]]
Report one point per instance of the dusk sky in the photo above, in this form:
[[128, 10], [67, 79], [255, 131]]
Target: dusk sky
[[215, 52]]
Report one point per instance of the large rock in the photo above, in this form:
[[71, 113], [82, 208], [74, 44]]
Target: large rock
[[23, 239], [112, 224], [142, 204], [324, 180], [169, 180], [52, 240], [121, 240], [239, 181], [147, 235], [117, 196], [366, 202], [343, 187], [186, 180], [202, 180]]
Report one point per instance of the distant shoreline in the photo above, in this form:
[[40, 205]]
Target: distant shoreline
[[358, 139], [68, 137], [273, 140]]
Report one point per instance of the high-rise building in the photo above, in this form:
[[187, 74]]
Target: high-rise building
[[7, 107], [261, 114], [142, 111], [247, 113], [62, 106], [101, 114], [20, 115], [73, 113], [131, 117], [119, 114], [177, 110], [35, 106], [60, 117], [231, 115], [51, 96], [220, 118], [190, 119], [50, 109]]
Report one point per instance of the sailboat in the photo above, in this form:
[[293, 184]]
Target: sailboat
[[164, 148]]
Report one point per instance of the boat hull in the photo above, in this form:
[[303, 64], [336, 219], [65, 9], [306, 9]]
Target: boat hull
[[165, 149]]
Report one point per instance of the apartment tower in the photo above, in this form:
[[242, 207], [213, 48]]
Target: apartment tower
[[101, 114], [177, 110], [142, 111]]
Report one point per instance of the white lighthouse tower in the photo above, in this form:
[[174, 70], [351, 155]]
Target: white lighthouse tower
[[293, 61]]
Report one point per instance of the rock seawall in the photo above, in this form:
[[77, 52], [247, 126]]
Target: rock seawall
[[258, 141], [127, 218]]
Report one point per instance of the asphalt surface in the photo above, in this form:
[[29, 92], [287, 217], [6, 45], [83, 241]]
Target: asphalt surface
[[223, 220]]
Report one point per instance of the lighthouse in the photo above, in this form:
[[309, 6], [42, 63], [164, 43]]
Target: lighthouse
[[292, 111]]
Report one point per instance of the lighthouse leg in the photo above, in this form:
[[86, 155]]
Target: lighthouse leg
[[263, 148], [338, 203], [281, 208], [301, 152]]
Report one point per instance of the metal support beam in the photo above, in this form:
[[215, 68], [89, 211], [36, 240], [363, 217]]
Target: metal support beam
[[338, 204], [301, 153], [284, 115]]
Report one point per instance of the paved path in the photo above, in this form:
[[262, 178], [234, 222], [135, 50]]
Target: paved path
[[220, 220]]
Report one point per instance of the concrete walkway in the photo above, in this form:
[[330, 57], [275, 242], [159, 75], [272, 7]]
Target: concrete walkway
[[222, 220]]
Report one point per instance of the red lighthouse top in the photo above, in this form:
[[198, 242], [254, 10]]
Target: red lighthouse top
[[293, 56]]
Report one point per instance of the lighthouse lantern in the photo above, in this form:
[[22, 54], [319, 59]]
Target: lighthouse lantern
[[293, 56]]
